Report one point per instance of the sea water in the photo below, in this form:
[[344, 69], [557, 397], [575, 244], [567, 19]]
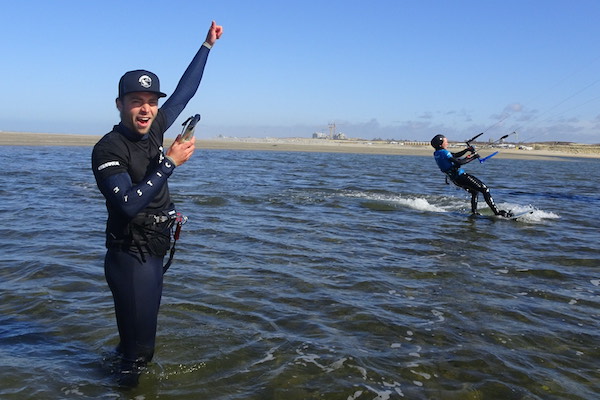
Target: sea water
[[312, 276]]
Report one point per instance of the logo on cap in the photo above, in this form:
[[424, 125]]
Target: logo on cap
[[145, 81]]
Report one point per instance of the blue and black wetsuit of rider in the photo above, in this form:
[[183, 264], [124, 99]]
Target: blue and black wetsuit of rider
[[450, 164], [131, 171]]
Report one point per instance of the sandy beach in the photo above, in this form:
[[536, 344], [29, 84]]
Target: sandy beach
[[311, 145]]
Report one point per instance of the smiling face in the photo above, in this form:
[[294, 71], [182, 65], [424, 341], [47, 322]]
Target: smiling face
[[138, 110]]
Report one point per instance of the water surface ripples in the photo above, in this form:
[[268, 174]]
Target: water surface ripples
[[311, 275]]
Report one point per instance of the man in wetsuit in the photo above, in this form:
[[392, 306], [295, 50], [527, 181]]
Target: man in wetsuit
[[131, 170], [450, 164]]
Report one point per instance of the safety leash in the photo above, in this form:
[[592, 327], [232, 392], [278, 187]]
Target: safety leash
[[179, 221]]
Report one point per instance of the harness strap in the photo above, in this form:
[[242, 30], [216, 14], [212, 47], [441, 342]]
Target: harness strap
[[180, 220]]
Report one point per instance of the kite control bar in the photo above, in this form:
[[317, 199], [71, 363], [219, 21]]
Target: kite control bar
[[503, 137], [471, 148], [474, 153], [468, 142]]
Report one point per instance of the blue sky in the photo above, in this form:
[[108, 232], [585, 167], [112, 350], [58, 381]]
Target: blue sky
[[403, 69]]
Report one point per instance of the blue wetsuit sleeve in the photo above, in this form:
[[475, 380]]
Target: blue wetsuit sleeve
[[119, 190], [186, 88]]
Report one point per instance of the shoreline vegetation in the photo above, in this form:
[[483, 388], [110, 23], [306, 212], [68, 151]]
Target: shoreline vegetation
[[532, 151]]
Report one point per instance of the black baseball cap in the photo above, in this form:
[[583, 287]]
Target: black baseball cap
[[139, 81]]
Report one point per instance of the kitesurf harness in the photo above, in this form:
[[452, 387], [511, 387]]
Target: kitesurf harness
[[151, 234]]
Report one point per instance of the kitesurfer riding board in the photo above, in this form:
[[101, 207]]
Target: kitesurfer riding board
[[450, 164]]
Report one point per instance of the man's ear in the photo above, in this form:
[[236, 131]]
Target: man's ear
[[119, 104]]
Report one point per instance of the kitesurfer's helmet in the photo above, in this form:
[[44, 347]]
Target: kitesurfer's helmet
[[437, 141]]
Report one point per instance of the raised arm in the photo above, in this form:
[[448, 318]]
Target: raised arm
[[190, 80]]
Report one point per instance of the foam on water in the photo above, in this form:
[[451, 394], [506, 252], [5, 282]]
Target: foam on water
[[420, 204], [444, 204], [415, 202], [535, 214]]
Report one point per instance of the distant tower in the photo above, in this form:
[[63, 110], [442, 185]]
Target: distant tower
[[332, 130]]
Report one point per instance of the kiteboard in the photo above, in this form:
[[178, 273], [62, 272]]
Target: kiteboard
[[514, 217]]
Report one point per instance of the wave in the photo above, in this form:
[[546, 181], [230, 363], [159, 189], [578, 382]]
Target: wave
[[531, 213], [389, 202], [444, 204]]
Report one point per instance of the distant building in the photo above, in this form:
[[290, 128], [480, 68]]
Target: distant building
[[331, 135]]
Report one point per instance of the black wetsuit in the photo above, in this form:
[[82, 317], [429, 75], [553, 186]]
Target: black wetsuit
[[131, 171]]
